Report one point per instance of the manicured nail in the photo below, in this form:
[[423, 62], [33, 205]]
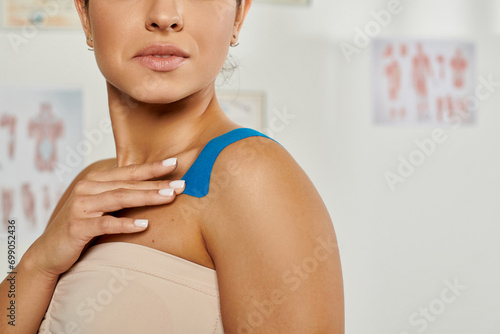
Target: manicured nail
[[177, 184], [166, 192], [141, 222], [169, 162]]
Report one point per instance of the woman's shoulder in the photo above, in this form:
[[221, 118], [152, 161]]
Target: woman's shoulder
[[260, 156], [96, 166], [254, 148], [257, 178], [100, 165], [265, 219], [257, 164], [255, 156]]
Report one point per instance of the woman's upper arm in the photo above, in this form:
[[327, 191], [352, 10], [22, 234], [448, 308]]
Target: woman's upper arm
[[69, 190], [274, 247]]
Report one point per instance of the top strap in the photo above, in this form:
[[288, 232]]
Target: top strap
[[198, 175]]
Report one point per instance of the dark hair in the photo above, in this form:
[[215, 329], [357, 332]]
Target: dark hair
[[87, 3]]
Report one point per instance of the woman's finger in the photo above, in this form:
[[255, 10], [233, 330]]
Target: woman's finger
[[137, 172], [87, 229], [88, 187], [118, 199]]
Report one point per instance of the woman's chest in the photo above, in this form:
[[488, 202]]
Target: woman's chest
[[173, 228]]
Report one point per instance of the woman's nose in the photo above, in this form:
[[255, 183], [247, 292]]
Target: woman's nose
[[164, 15]]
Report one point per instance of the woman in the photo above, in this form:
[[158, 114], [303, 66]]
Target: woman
[[194, 213]]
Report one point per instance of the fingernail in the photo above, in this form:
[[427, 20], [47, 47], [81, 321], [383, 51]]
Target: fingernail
[[177, 184], [141, 222], [166, 192], [169, 162]]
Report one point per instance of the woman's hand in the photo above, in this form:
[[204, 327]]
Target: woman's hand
[[84, 215]]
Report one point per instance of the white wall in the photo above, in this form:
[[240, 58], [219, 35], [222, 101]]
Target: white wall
[[397, 248]]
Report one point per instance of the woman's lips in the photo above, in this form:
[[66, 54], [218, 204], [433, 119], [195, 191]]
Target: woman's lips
[[162, 57], [161, 63]]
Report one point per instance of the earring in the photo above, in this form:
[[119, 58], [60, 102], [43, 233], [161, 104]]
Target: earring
[[235, 44], [91, 39]]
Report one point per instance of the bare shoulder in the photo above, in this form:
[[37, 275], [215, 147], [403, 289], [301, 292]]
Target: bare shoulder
[[261, 169], [256, 161], [97, 166], [100, 165], [272, 242]]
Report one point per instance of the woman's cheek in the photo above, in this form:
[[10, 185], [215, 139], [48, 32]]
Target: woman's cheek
[[214, 42]]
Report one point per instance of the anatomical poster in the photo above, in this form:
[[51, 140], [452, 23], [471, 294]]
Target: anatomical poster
[[41, 151], [40, 13], [424, 82]]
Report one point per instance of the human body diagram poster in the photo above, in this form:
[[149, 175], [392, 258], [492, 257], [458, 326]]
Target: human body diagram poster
[[39, 128], [423, 82], [40, 13]]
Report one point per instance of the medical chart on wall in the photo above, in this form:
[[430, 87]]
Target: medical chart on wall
[[41, 151], [244, 108], [40, 13], [424, 82]]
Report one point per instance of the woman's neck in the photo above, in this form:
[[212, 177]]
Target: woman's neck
[[151, 132]]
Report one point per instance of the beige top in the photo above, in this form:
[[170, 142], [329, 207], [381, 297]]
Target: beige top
[[120, 287]]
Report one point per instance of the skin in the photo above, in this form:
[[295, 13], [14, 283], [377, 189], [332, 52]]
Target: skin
[[261, 232]]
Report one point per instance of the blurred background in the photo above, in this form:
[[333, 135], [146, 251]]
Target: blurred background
[[420, 255]]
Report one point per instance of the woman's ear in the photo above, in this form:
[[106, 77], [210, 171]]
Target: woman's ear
[[240, 18], [84, 19]]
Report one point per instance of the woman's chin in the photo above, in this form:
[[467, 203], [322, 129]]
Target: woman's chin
[[150, 93], [155, 97]]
